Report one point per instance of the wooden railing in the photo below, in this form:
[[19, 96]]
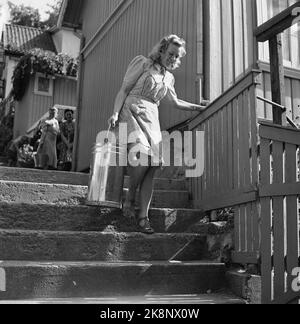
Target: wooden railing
[[253, 167], [230, 178], [279, 192]]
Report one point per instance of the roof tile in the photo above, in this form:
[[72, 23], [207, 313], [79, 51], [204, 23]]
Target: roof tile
[[22, 39]]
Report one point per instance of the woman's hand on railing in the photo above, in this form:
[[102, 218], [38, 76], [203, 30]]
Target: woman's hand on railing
[[205, 103], [112, 122], [199, 108]]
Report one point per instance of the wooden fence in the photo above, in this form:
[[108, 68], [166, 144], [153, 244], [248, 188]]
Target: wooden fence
[[230, 178], [279, 193], [253, 167]]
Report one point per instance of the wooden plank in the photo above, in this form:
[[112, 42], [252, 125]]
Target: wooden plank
[[292, 213], [245, 257], [287, 298], [249, 228], [215, 153], [256, 227], [236, 145], [241, 142], [225, 151], [279, 223], [296, 99], [228, 59], [277, 24], [233, 198], [237, 229], [230, 147], [266, 225], [278, 190], [254, 136], [286, 135], [249, 41], [238, 39], [243, 216], [247, 122], [215, 50], [279, 245], [288, 72], [277, 78]]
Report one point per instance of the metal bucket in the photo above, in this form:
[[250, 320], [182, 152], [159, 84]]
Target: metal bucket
[[107, 176]]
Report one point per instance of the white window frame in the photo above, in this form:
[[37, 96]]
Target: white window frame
[[49, 93]]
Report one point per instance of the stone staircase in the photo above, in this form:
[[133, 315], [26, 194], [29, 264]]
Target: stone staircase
[[56, 249]]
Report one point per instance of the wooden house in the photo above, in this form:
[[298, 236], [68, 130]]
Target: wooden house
[[251, 163], [42, 91]]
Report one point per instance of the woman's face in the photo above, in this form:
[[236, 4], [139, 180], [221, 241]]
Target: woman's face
[[53, 113], [171, 59], [69, 116]]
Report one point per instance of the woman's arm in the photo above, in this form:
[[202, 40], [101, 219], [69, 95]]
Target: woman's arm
[[119, 102], [184, 105]]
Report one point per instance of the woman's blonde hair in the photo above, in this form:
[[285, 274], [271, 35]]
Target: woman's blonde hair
[[163, 45]]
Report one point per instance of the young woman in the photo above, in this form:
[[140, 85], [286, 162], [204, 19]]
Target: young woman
[[46, 153], [147, 81]]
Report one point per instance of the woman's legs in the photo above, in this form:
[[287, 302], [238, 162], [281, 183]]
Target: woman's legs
[[146, 194], [136, 175]]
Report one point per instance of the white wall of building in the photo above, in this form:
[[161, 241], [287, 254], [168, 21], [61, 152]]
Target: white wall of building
[[67, 42]]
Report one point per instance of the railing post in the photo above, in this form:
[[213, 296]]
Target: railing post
[[277, 79]]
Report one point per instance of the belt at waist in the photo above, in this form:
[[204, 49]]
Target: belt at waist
[[143, 98]]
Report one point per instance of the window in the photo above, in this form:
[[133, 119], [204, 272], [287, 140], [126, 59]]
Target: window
[[43, 85], [291, 37]]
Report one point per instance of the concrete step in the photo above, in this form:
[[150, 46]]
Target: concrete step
[[62, 195], [95, 246], [223, 298], [70, 178], [42, 176], [31, 280], [83, 218]]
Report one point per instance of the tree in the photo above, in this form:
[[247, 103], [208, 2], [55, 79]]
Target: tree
[[53, 13], [24, 15]]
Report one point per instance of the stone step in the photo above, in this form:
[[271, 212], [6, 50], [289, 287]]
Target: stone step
[[223, 298], [95, 246], [81, 179], [62, 195], [42, 176], [31, 280], [84, 218]]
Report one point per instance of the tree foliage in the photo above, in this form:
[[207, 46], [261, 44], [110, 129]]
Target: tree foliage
[[53, 13], [24, 15], [29, 16]]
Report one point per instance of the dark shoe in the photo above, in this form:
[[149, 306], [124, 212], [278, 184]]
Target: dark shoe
[[146, 228]]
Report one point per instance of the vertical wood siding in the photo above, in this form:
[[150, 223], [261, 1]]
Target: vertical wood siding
[[231, 171], [138, 29], [95, 13], [22, 112], [232, 50], [33, 107]]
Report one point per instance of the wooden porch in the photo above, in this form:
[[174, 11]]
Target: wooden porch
[[252, 166]]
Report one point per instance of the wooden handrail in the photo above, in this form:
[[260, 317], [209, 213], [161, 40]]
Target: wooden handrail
[[277, 24], [247, 81], [283, 108]]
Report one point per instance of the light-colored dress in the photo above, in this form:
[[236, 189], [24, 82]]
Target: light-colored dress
[[150, 83], [47, 154]]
